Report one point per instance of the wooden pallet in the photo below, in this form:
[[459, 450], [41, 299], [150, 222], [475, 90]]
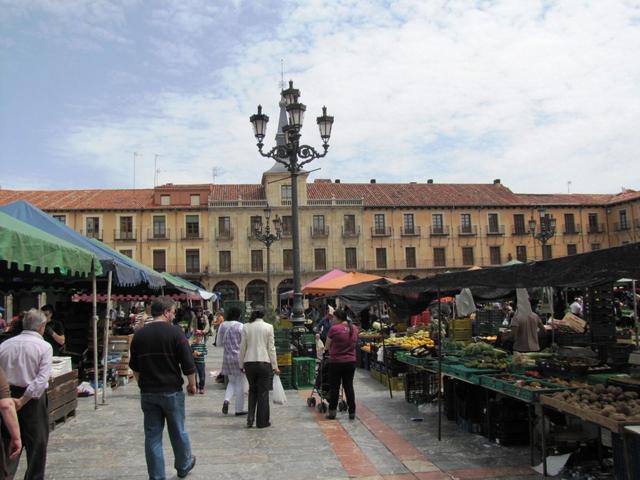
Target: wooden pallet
[[62, 413]]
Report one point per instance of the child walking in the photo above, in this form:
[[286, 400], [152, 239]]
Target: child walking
[[199, 350]]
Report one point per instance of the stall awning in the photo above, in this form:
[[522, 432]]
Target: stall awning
[[331, 286], [31, 248], [151, 277], [188, 287]]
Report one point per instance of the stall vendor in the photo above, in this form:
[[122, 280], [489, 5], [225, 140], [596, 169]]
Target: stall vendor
[[54, 331], [525, 325]]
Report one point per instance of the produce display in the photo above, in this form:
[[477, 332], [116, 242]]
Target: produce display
[[610, 402], [483, 355], [418, 339]]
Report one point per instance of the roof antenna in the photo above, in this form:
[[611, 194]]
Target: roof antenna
[[156, 170], [569, 186], [135, 155], [281, 74]]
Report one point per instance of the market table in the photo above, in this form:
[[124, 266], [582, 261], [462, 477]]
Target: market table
[[601, 421]]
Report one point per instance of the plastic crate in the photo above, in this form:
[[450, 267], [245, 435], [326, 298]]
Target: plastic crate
[[488, 322], [284, 359], [304, 372], [420, 387]]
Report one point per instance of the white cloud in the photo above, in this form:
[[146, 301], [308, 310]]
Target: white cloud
[[534, 93]]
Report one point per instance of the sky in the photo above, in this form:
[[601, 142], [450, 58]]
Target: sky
[[544, 95]]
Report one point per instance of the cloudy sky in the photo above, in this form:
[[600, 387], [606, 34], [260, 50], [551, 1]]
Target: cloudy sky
[[536, 93]]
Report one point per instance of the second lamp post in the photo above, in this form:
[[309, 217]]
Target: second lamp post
[[268, 238], [547, 230]]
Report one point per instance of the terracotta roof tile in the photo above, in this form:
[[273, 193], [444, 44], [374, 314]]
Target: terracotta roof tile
[[82, 199], [235, 192], [564, 199]]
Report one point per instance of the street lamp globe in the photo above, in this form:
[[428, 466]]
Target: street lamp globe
[[291, 94], [259, 122], [325, 123]]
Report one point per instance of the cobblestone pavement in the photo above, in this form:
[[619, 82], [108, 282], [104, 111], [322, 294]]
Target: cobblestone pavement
[[382, 443]]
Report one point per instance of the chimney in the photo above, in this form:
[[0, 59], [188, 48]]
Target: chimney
[[373, 180], [337, 180], [412, 183], [496, 181], [430, 181]]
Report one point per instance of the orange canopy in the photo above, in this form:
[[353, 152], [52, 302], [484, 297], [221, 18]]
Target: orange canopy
[[331, 286]]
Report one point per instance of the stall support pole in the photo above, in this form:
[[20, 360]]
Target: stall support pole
[[635, 313], [384, 356], [439, 326], [105, 342], [95, 337]]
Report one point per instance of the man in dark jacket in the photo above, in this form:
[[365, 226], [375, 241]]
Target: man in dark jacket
[[160, 355]]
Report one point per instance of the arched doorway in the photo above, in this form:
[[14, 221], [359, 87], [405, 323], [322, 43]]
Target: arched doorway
[[228, 290], [256, 292], [410, 277], [284, 286]]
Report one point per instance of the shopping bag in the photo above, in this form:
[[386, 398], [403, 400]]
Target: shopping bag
[[278, 396]]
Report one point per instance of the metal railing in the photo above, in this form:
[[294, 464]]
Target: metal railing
[[467, 230], [190, 235], [225, 234], [413, 231], [119, 235], [621, 227], [595, 228], [492, 230], [319, 232], [438, 230], [97, 234], [571, 229], [153, 235], [520, 231], [183, 269], [350, 232], [380, 231]]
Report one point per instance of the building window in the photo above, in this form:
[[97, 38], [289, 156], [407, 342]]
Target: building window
[[519, 227], [379, 224], [547, 253], [193, 226], [61, 218], [285, 193], [439, 257], [318, 227], [408, 224], [350, 258], [256, 261], [287, 259], [521, 253], [193, 260], [93, 227], [410, 256], [465, 223], [594, 227], [126, 228], [437, 223], [624, 222], [224, 227], [381, 258], [494, 223], [570, 223], [349, 225], [224, 260], [159, 226], [320, 257], [287, 226], [494, 256], [127, 253], [165, 199], [595, 246], [195, 200], [572, 248], [160, 260], [467, 256], [256, 224]]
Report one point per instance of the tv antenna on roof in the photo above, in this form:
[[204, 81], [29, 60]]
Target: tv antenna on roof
[[156, 170], [215, 172], [281, 74], [569, 186]]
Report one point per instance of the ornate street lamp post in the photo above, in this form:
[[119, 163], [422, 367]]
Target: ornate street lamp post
[[547, 229], [268, 238], [293, 156]]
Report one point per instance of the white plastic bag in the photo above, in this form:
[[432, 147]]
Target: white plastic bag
[[278, 396]]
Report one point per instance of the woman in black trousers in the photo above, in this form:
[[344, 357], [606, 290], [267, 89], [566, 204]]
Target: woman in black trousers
[[341, 345]]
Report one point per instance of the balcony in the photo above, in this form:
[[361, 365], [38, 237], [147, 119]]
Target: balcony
[[350, 232], [97, 234], [380, 231], [188, 234], [621, 227], [224, 234], [520, 231], [571, 229], [467, 230], [595, 228], [158, 234], [190, 270], [413, 231], [495, 229], [122, 236], [320, 231], [286, 233], [439, 230]]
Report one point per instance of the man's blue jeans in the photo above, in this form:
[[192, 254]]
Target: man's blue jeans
[[157, 408]]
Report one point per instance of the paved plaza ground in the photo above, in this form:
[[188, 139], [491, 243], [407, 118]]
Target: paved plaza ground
[[382, 443]]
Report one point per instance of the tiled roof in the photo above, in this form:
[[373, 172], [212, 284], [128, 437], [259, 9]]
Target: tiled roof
[[564, 199], [624, 196], [235, 192], [416, 194], [82, 199]]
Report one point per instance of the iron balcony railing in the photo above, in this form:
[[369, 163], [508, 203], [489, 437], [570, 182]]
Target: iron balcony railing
[[380, 231], [120, 235], [319, 231], [467, 230], [494, 229], [438, 230], [186, 234], [350, 232], [224, 234], [97, 234], [572, 229], [595, 228], [158, 234], [410, 231]]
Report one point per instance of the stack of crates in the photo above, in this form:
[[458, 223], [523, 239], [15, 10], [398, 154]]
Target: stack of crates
[[488, 322], [304, 372], [283, 351], [307, 345], [460, 329], [598, 309]]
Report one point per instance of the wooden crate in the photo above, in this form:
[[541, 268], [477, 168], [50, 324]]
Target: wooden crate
[[62, 397]]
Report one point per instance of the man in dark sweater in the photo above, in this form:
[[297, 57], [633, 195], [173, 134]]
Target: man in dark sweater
[[160, 355]]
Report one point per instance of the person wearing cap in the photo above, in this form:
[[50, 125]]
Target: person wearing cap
[[199, 350], [324, 324]]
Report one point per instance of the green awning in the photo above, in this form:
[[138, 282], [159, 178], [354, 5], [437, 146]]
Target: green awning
[[180, 282], [31, 248]]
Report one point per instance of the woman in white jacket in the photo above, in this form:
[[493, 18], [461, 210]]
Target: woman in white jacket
[[258, 360]]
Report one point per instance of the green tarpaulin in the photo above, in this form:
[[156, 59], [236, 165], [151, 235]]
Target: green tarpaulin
[[31, 248]]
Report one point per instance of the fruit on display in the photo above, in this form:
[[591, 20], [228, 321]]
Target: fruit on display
[[612, 402], [409, 342], [483, 355]]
